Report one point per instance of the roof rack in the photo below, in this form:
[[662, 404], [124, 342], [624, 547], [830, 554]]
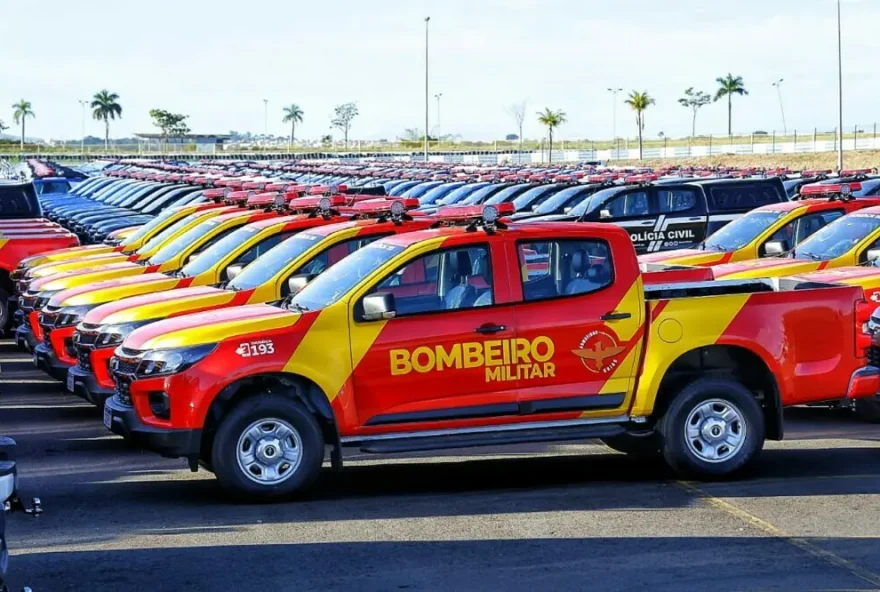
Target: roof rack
[[487, 216]]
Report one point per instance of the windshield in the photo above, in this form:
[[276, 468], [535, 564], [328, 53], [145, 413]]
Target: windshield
[[868, 188], [742, 231], [163, 236], [218, 251], [534, 196], [421, 189], [175, 247], [838, 237], [595, 199], [505, 194], [52, 187], [459, 194], [437, 192], [560, 201], [478, 196], [274, 261], [337, 281]]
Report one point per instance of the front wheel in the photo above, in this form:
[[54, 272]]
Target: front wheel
[[634, 444], [713, 429], [268, 446]]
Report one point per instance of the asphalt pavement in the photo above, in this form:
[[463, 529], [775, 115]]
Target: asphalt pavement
[[569, 517]]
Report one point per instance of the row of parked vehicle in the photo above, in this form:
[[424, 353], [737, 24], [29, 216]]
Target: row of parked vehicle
[[282, 311]]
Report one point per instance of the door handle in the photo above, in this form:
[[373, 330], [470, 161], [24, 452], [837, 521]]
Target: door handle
[[489, 328], [615, 316], [697, 219]]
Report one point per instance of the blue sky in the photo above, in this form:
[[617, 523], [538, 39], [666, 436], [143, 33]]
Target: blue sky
[[217, 60]]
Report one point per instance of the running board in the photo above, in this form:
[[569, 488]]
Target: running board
[[469, 440]]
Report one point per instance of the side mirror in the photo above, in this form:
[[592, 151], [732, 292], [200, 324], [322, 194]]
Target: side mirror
[[774, 248], [233, 272], [873, 255], [604, 214], [298, 282], [379, 307]]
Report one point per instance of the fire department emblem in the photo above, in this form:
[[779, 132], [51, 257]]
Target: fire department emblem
[[598, 352]]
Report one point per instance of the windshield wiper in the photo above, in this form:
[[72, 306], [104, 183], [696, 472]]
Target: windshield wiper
[[713, 247], [812, 256], [297, 307]]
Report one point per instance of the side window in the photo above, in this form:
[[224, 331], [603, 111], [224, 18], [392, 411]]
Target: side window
[[785, 235], [628, 205], [676, 200], [261, 247], [332, 255], [220, 236], [742, 197], [550, 269], [455, 279], [807, 225]]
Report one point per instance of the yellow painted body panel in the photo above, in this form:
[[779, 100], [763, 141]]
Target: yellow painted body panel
[[214, 332], [69, 254], [171, 306], [701, 321], [89, 261], [91, 275], [126, 290]]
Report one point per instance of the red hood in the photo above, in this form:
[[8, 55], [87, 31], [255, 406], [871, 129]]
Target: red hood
[[251, 312], [114, 283], [770, 263], [840, 274], [97, 315]]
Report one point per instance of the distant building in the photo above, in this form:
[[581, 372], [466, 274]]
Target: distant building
[[187, 143]]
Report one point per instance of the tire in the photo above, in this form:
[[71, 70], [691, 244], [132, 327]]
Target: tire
[[868, 409], [642, 444], [264, 411], [4, 310], [702, 403]]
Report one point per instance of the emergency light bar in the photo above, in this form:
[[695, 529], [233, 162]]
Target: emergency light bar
[[325, 203], [854, 172], [832, 189], [238, 197], [603, 178], [488, 213], [259, 185], [396, 207], [635, 179], [268, 199], [322, 189], [216, 194], [815, 173]]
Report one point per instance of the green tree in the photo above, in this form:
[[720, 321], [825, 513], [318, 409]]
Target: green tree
[[344, 115], [170, 124], [3, 126], [551, 119], [23, 110], [729, 86], [694, 100], [638, 102], [105, 107], [292, 115]]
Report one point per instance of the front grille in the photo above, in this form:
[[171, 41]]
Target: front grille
[[84, 359], [874, 355], [41, 302], [17, 275]]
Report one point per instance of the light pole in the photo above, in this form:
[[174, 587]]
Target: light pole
[[265, 117], [839, 94], [82, 140], [778, 85], [427, 20], [614, 92], [437, 96]]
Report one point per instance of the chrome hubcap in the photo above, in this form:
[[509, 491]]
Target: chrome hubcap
[[269, 451], [715, 431]]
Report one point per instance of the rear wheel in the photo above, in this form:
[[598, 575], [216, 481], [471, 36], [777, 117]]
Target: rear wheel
[[713, 429], [267, 446], [868, 409]]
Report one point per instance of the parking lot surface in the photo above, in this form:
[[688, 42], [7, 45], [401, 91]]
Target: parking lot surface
[[563, 517]]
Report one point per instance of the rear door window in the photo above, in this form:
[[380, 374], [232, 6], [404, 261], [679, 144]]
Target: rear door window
[[19, 201], [742, 197], [677, 200]]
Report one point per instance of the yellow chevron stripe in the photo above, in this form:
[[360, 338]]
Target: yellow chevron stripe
[[216, 332]]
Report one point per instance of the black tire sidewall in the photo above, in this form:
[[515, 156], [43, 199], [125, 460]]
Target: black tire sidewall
[[4, 310], [672, 428], [868, 409], [641, 445], [223, 452]]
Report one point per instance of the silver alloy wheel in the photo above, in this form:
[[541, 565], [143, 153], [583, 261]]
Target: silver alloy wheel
[[715, 431], [269, 451]]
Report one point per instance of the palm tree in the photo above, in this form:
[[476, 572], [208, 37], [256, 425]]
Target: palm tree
[[292, 115], [729, 86], [22, 111], [638, 102], [552, 119], [106, 108], [3, 126]]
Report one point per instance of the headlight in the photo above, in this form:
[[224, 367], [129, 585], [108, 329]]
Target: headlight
[[115, 334], [71, 315], [162, 362]]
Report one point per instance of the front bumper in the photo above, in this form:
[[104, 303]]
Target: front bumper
[[86, 386], [25, 338], [865, 382], [48, 362], [123, 420]]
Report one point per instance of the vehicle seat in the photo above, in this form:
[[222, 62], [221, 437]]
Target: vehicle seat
[[582, 280], [484, 299], [463, 294]]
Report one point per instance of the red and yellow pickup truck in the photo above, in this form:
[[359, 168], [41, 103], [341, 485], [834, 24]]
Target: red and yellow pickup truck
[[474, 333], [320, 242]]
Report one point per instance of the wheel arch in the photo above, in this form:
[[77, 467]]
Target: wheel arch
[[743, 364], [294, 386]]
